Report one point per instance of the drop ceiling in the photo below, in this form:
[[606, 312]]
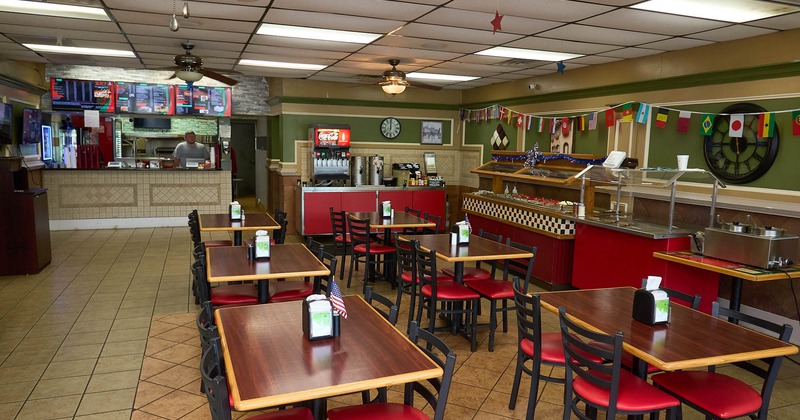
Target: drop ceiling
[[432, 36]]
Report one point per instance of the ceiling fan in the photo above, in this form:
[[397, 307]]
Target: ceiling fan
[[394, 81], [189, 68]]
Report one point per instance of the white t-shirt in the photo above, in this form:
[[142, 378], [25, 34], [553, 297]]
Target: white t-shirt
[[185, 150]]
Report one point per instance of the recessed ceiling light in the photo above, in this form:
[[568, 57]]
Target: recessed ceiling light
[[736, 11], [53, 9], [316, 33], [60, 49], [281, 65], [528, 54], [443, 77]]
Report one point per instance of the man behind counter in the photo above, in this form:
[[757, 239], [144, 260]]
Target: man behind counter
[[189, 148]]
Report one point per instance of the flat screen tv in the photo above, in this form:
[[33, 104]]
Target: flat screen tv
[[31, 126], [153, 123], [145, 98], [203, 100], [6, 114], [77, 95]]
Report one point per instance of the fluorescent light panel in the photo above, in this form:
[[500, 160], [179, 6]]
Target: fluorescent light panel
[[281, 65], [443, 77], [53, 9], [316, 33], [60, 49], [736, 11], [528, 54]]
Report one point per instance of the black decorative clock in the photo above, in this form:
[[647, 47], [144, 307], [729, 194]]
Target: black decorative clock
[[390, 128], [739, 160]]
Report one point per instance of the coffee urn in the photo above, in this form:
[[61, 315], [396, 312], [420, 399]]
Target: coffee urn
[[376, 170], [359, 171]]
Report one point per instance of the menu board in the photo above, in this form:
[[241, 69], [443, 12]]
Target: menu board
[[145, 98], [203, 100], [73, 95]]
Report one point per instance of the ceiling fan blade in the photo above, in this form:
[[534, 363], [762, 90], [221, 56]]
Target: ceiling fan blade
[[174, 75], [218, 77], [424, 85]]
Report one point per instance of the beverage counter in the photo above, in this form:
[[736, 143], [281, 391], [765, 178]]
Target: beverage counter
[[110, 198]]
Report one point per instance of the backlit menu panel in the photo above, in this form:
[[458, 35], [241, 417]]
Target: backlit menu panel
[[73, 95], [145, 98], [203, 100]]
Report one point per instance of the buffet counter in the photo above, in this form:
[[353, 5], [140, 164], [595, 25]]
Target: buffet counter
[[111, 198]]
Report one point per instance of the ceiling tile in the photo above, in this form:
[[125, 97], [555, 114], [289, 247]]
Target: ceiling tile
[[657, 23], [158, 9], [310, 44], [408, 53], [547, 44], [429, 44], [482, 20], [382, 9], [730, 33], [556, 10], [268, 50], [632, 52], [781, 23], [583, 33], [331, 21], [675, 44], [195, 23], [447, 33]]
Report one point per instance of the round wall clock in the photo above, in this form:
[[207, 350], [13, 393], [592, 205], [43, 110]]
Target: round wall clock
[[390, 128], [739, 160]]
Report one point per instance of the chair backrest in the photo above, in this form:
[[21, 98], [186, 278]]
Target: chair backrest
[[767, 369], [213, 378], [205, 324], [484, 234], [338, 222], [529, 318], [522, 268], [201, 279], [426, 268], [194, 230], [406, 256], [435, 219], [413, 230], [322, 283], [280, 234], [315, 247], [385, 306], [440, 353], [359, 231], [414, 212], [692, 301], [585, 353]]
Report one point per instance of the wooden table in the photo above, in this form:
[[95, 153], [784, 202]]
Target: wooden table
[[399, 220], [692, 339], [269, 362], [737, 272], [478, 249], [230, 263], [250, 221]]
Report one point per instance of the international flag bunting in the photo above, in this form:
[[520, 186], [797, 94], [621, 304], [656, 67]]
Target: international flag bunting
[[609, 117], [593, 121], [706, 124], [565, 126], [520, 120], [555, 123], [336, 300], [766, 125], [627, 112], [644, 113], [582, 120], [736, 128], [683, 121], [661, 118], [509, 116], [530, 122], [502, 114], [540, 127], [796, 123]]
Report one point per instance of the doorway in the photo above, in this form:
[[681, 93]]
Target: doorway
[[243, 140]]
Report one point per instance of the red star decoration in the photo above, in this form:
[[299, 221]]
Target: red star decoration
[[496, 22]]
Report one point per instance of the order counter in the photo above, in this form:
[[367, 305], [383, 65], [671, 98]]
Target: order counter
[[314, 203]]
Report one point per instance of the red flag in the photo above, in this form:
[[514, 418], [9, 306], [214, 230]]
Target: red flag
[[565, 126], [796, 123], [683, 121], [520, 119], [609, 117], [736, 128]]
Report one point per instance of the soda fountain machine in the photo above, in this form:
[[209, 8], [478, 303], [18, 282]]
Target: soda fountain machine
[[330, 155]]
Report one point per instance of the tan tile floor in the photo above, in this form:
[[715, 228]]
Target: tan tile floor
[[107, 331]]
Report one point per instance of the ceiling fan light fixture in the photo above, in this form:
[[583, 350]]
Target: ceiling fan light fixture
[[188, 75], [394, 87]]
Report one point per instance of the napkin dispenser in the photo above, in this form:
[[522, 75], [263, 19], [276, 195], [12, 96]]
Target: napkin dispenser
[[318, 318], [460, 233], [235, 210], [262, 244], [386, 209], [651, 304]]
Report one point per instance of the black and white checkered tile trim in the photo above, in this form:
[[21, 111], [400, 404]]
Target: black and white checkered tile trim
[[530, 218]]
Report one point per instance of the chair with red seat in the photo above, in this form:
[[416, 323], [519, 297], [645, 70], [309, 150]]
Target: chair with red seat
[[194, 231], [407, 266], [226, 294], [503, 290], [435, 219], [478, 273], [216, 386], [365, 251], [534, 346], [434, 391], [592, 384], [457, 300], [341, 239], [289, 290], [720, 396]]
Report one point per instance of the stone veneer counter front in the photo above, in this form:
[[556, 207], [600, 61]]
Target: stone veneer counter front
[[126, 198]]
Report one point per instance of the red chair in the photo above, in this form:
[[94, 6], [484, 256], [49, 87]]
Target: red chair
[[365, 251], [436, 398], [503, 290], [721, 396], [591, 383], [478, 273], [285, 291], [341, 238], [227, 294], [407, 265], [457, 300], [194, 231], [216, 386]]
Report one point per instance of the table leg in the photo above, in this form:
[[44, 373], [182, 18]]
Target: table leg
[[237, 238], [263, 291], [736, 293]]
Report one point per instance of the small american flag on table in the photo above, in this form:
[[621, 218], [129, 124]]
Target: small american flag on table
[[336, 300]]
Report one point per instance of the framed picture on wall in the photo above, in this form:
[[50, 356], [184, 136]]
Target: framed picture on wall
[[431, 132]]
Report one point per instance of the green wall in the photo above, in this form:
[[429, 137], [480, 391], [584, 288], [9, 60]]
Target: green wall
[[288, 128], [666, 143]]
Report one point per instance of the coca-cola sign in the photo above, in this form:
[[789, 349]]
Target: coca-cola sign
[[338, 137]]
